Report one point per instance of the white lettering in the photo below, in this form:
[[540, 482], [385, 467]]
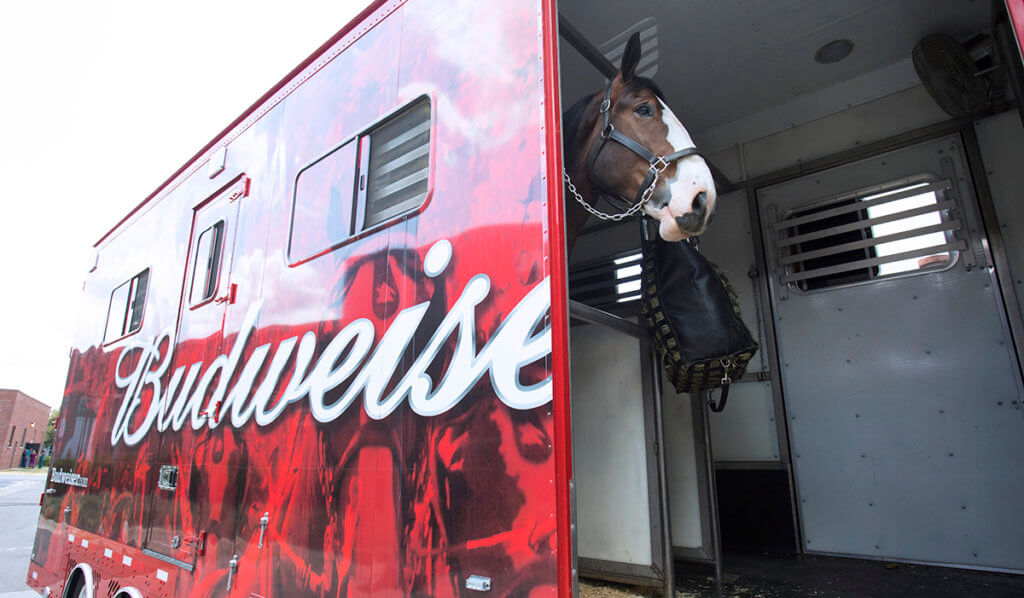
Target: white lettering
[[523, 338]]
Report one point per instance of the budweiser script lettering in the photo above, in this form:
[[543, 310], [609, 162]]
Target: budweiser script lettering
[[522, 338]]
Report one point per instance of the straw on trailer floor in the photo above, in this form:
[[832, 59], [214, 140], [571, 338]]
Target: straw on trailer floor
[[590, 588], [813, 576]]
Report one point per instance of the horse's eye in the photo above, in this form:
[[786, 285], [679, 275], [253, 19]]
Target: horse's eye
[[644, 110]]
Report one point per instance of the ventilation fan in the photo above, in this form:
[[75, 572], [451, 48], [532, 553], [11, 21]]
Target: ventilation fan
[[951, 75]]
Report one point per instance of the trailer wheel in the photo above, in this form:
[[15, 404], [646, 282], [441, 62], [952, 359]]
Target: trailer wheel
[[79, 583], [78, 590]]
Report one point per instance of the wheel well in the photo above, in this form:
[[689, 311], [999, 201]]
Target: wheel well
[[128, 593], [80, 575]]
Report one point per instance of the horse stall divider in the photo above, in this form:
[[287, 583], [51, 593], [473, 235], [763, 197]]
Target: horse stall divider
[[594, 528]]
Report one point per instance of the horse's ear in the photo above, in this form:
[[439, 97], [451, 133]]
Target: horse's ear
[[630, 57]]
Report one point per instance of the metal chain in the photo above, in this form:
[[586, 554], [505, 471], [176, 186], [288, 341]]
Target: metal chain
[[622, 215]]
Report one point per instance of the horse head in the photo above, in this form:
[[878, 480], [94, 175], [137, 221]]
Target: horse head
[[624, 144]]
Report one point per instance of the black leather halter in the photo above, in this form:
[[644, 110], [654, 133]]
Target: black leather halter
[[658, 163]]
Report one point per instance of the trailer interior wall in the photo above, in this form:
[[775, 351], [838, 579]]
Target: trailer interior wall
[[1001, 138], [765, 113], [615, 447]]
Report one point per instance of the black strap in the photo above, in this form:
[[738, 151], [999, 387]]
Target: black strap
[[690, 151], [721, 400], [645, 153]]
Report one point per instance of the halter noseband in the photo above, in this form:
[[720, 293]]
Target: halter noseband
[[657, 164]]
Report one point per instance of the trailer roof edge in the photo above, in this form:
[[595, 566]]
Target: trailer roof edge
[[359, 18]]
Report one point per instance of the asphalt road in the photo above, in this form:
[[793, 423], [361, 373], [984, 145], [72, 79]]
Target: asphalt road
[[19, 510]]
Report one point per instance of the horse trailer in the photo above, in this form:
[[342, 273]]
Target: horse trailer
[[379, 336]]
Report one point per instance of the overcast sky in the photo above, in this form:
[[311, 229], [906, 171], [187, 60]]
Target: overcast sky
[[101, 102]]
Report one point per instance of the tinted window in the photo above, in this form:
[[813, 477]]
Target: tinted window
[[206, 272], [378, 175], [127, 305]]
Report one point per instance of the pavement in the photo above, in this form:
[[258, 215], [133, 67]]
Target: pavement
[[20, 490]]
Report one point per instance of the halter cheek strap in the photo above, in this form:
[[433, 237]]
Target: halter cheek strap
[[657, 163]]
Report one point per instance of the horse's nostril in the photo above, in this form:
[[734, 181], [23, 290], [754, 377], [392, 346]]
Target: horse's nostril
[[700, 201]]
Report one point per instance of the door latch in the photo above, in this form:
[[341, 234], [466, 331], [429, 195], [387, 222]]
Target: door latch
[[232, 569], [198, 543], [264, 522], [228, 297]]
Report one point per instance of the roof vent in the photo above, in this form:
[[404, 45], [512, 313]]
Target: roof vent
[[834, 51], [648, 29]]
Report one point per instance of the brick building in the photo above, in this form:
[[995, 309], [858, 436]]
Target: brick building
[[22, 423]]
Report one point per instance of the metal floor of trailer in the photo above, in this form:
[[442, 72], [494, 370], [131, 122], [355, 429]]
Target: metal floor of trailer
[[788, 576]]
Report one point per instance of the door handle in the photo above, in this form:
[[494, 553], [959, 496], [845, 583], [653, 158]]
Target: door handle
[[228, 297], [232, 569]]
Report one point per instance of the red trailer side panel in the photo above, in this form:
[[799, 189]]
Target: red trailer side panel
[[329, 391]]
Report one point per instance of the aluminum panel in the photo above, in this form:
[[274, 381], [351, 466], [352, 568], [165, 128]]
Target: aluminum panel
[[1001, 138], [903, 395], [614, 522], [681, 460], [746, 430]]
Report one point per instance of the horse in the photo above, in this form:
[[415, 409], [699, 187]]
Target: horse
[[652, 166]]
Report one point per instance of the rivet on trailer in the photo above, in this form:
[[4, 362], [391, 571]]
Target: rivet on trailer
[[344, 350]]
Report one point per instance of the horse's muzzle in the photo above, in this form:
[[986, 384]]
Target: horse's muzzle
[[695, 221]]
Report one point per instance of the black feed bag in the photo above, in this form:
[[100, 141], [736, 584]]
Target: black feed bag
[[692, 311]]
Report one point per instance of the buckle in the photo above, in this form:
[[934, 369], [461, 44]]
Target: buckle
[[606, 131], [659, 165], [605, 105]]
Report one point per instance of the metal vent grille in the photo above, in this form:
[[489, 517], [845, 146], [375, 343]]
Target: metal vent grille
[[608, 283], [613, 48], [864, 237], [399, 163]]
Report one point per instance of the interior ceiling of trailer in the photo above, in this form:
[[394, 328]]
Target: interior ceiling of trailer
[[721, 60]]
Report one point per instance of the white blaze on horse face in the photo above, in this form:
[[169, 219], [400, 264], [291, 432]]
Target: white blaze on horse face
[[692, 177]]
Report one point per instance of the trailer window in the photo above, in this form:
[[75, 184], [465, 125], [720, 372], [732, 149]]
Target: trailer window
[[127, 304], [378, 175], [393, 176], [881, 232], [206, 270], [322, 213]]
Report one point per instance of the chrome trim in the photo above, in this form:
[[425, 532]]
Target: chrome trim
[[167, 559]]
